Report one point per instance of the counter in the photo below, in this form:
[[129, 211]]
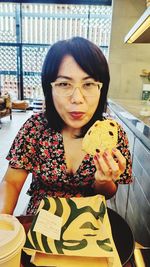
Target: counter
[[132, 201], [129, 111]]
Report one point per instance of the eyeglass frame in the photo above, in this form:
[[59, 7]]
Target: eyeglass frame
[[99, 84]]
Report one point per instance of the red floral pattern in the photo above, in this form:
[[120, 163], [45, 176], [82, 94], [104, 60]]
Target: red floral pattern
[[40, 150]]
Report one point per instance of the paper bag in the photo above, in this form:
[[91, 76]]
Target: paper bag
[[72, 232]]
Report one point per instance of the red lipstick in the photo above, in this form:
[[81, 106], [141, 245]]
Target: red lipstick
[[76, 114]]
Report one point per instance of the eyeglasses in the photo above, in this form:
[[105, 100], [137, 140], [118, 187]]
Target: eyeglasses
[[65, 88]]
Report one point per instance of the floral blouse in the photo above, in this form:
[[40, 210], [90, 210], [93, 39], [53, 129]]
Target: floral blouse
[[40, 150]]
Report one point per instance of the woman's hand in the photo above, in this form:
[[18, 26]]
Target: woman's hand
[[109, 165]]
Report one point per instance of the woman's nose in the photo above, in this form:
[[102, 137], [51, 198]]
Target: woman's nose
[[77, 96]]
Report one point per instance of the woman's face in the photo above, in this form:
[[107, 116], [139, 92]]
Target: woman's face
[[75, 110]]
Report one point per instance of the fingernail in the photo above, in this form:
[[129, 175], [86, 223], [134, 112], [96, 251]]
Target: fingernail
[[106, 153], [95, 157]]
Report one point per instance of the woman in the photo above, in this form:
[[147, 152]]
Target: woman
[[75, 80]]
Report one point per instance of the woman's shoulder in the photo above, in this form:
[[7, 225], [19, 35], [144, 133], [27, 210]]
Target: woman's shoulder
[[120, 127], [37, 120], [107, 116], [38, 124]]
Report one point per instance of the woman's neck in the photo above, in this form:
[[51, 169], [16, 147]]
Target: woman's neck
[[71, 132]]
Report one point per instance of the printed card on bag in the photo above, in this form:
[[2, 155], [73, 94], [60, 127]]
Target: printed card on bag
[[54, 223]]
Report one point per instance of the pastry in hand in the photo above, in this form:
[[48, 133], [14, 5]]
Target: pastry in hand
[[102, 135]]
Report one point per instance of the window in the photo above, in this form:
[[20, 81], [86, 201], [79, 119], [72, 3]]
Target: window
[[28, 30]]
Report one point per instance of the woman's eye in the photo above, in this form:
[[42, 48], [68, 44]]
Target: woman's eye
[[89, 85], [63, 84]]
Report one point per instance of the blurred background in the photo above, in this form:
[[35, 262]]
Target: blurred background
[[121, 28]]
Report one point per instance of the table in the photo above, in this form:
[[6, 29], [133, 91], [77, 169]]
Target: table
[[121, 232]]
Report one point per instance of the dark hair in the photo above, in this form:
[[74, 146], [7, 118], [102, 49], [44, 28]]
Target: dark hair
[[90, 58]]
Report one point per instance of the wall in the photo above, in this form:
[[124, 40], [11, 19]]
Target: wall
[[126, 60]]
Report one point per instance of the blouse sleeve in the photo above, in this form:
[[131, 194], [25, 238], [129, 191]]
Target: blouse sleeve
[[22, 153], [123, 146]]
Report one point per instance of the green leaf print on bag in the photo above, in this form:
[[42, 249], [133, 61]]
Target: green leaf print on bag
[[102, 244]]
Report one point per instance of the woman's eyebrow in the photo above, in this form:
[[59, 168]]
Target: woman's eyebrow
[[64, 77], [69, 78], [87, 77]]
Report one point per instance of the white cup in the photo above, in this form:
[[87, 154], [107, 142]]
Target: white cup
[[12, 239]]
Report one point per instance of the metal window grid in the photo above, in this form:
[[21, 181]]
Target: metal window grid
[[24, 43]]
